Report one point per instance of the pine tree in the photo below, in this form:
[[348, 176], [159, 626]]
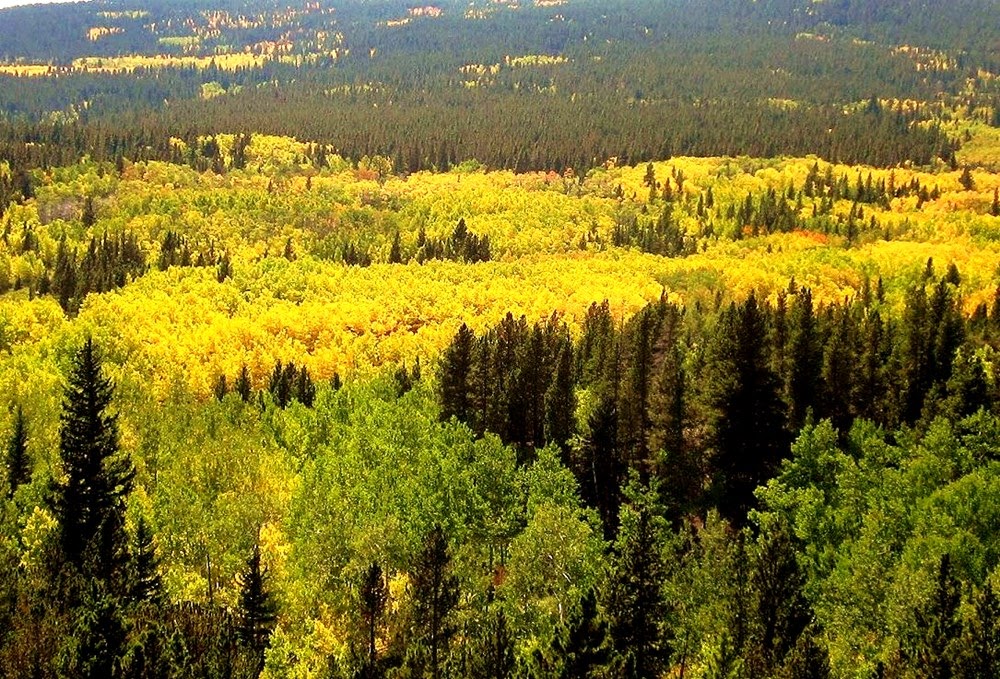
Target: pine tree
[[966, 180], [374, 597], [802, 383], [980, 644], [779, 611], [580, 648], [938, 627], [560, 399], [90, 502], [670, 457], [636, 608], [995, 206], [64, 276], [746, 416], [243, 387], [18, 462], [396, 251], [496, 659], [598, 467], [146, 584], [435, 595], [257, 614], [455, 389], [88, 216]]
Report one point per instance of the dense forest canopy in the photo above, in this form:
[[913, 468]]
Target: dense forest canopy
[[548, 339]]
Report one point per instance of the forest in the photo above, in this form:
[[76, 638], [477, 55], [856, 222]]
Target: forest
[[554, 339]]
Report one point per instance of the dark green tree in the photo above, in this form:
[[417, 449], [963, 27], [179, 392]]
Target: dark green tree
[[804, 360], [88, 216], [496, 657], [980, 644], [779, 612], [745, 414], [243, 386], [257, 611], [455, 389], [938, 628], [145, 584], [560, 399], [64, 276], [90, 502], [581, 647], [435, 596], [18, 462], [374, 597], [638, 614]]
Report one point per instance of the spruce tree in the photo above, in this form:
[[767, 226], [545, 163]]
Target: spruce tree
[[746, 416], [374, 597], [980, 644], [938, 627], [560, 399], [779, 611], [145, 582], [496, 659], [804, 361], [636, 608], [243, 387], [90, 503], [18, 463], [580, 648], [455, 390], [435, 595], [257, 614]]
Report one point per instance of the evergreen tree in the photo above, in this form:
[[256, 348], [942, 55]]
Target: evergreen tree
[[257, 614], [779, 611], [995, 205], [966, 180], [64, 276], [146, 584], [455, 389], [374, 597], [560, 399], [746, 416], [636, 608], [88, 217], [18, 462], [243, 387], [435, 595], [496, 659], [802, 382], [598, 467], [396, 251], [807, 660], [90, 503], [980, 644], [938, 627], [580, 648]]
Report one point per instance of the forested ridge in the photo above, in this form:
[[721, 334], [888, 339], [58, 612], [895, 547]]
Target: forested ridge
[[499, 339]]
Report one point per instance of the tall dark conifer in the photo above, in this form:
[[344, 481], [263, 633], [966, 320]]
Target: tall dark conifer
[[636, 608], [374, 597], [581, 647], [257, 614], [746, 416], [18, 463], [455, 390], [560, 399], [90, 501], [435, 595]]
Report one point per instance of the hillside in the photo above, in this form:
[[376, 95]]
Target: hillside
[[495, 339]]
